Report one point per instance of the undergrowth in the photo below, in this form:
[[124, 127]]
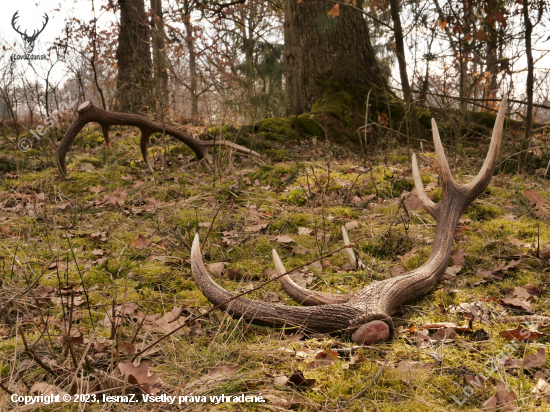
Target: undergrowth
[[63, 234]]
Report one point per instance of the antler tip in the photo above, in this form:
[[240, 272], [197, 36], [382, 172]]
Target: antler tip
[[279, 267], [196, 242]]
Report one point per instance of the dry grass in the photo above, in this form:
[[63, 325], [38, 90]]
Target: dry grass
[[44, 219]]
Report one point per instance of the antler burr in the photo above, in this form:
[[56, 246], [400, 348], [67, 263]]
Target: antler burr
[[366, 313]]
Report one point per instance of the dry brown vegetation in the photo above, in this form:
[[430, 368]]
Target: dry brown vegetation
[[95, 268]]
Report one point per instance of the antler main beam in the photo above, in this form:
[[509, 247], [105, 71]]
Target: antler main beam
[[87, 113], [366, 313]]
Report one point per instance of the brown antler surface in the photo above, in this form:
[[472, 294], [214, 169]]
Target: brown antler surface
[[366, 313], [87, 113]]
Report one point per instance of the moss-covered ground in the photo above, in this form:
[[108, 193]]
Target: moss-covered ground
[[112, 233]]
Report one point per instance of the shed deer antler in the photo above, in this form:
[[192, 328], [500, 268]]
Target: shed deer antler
[[87, 113], [366, 313]]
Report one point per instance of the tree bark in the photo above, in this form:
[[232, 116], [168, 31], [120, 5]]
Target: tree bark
[[400, 49], [322, 52], [530, 69], [190, 40], [159, 51], [133, 58]]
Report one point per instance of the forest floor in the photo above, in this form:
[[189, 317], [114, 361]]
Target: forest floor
[[95, 268]]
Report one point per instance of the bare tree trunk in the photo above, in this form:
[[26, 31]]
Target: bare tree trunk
[[190, 40], [248, 45], [530, 70], [133, 57], [322, 52], [160, 72], [400, 48]]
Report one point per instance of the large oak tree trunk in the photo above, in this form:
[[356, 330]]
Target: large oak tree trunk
[[321, 51], [134, 80]]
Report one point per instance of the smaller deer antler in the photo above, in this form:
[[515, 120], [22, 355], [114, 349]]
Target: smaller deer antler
[[88, 113]]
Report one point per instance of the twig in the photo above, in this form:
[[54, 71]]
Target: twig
[[189, 321], [83, 286], [6, 389], [32, 355], [362, 392], [210, 228], [141, 323]]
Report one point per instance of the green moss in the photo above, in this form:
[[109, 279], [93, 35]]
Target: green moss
[[488, 119], [309, 124], [424, 117], [271, 175], [277, 128], [277, 154], [226, 132], [337, 104], [483, 211]]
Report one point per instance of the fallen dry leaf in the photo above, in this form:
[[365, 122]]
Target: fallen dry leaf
[[46, 389], [355, 360], [459, 258], [235, 274], [521, 334], [397, 270], [527, 292], [284, 239], [298, 379], [413, 202], [444, 334], [217, 374], [216, 269], [256, 228], [535, 360], [410, 367], [140, 242], [542, 390], [5, 231], [129, 309], [140, 375], [305, 231], [97, 189], [354, 224], [117, 198], [322, 359], [501, 400], [518, 304], [539, 203]]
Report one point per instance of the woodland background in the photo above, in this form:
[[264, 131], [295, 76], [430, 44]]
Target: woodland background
[[335, 96]]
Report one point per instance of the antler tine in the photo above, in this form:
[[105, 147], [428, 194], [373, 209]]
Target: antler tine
[[353, 259], [444, 169], [427, 203], [302, 295], [480, 182], [329, 318], [143, 143]]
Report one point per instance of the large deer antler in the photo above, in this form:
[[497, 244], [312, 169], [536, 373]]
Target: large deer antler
[[87, 113], [366, 313]]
